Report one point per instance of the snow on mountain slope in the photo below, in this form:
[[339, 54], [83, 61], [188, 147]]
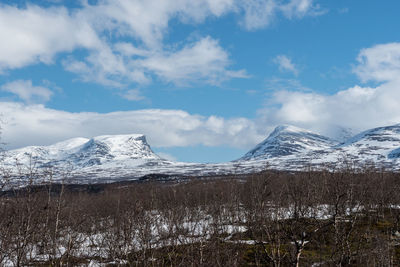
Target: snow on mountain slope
[[125, 157], [287, 141], [292, 148], [378, 144], [83, 152], [111, 148], [39, 155]]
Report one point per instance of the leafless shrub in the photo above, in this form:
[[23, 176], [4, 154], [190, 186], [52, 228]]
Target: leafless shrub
[[339, 218]]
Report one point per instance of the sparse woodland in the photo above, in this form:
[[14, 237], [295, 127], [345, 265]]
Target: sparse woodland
[[345, 218]]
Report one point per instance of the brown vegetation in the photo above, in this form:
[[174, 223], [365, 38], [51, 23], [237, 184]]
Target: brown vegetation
[[271, 219]]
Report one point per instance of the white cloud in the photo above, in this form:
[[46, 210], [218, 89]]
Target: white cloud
[[301, 8], [261, 13], [36, 34], [379, 63], [37, 125], [123, 63], [27, 92], [258, 13], [285, 64], [133, 95], [204, 60], [358, 107], [105, 67], [148, 20]]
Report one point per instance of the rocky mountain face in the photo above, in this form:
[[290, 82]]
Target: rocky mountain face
[[124, 157]]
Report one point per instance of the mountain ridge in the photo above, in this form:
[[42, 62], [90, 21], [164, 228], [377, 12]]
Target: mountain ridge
[[121, 157], [85, 151]]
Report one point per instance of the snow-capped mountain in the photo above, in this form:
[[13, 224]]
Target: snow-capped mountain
[[125, 157], [287, 141], [103, 159], [83, 152], [289, 147], [380, 144]]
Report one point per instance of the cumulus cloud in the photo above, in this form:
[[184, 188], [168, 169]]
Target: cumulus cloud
[[35, 124], [27, 92], [285, 64], [204, 60], [103, 66], [122, 40], [358, 107], [379, 63], [34, 34], [148, 20]]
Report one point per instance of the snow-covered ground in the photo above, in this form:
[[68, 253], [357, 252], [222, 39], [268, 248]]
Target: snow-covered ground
[[159, 229]]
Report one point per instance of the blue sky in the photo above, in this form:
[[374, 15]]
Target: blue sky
[[204, 80]]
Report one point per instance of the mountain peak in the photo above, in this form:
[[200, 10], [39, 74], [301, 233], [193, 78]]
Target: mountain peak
[[116, 147], [287, 140], [285, 128], [120, 137]]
